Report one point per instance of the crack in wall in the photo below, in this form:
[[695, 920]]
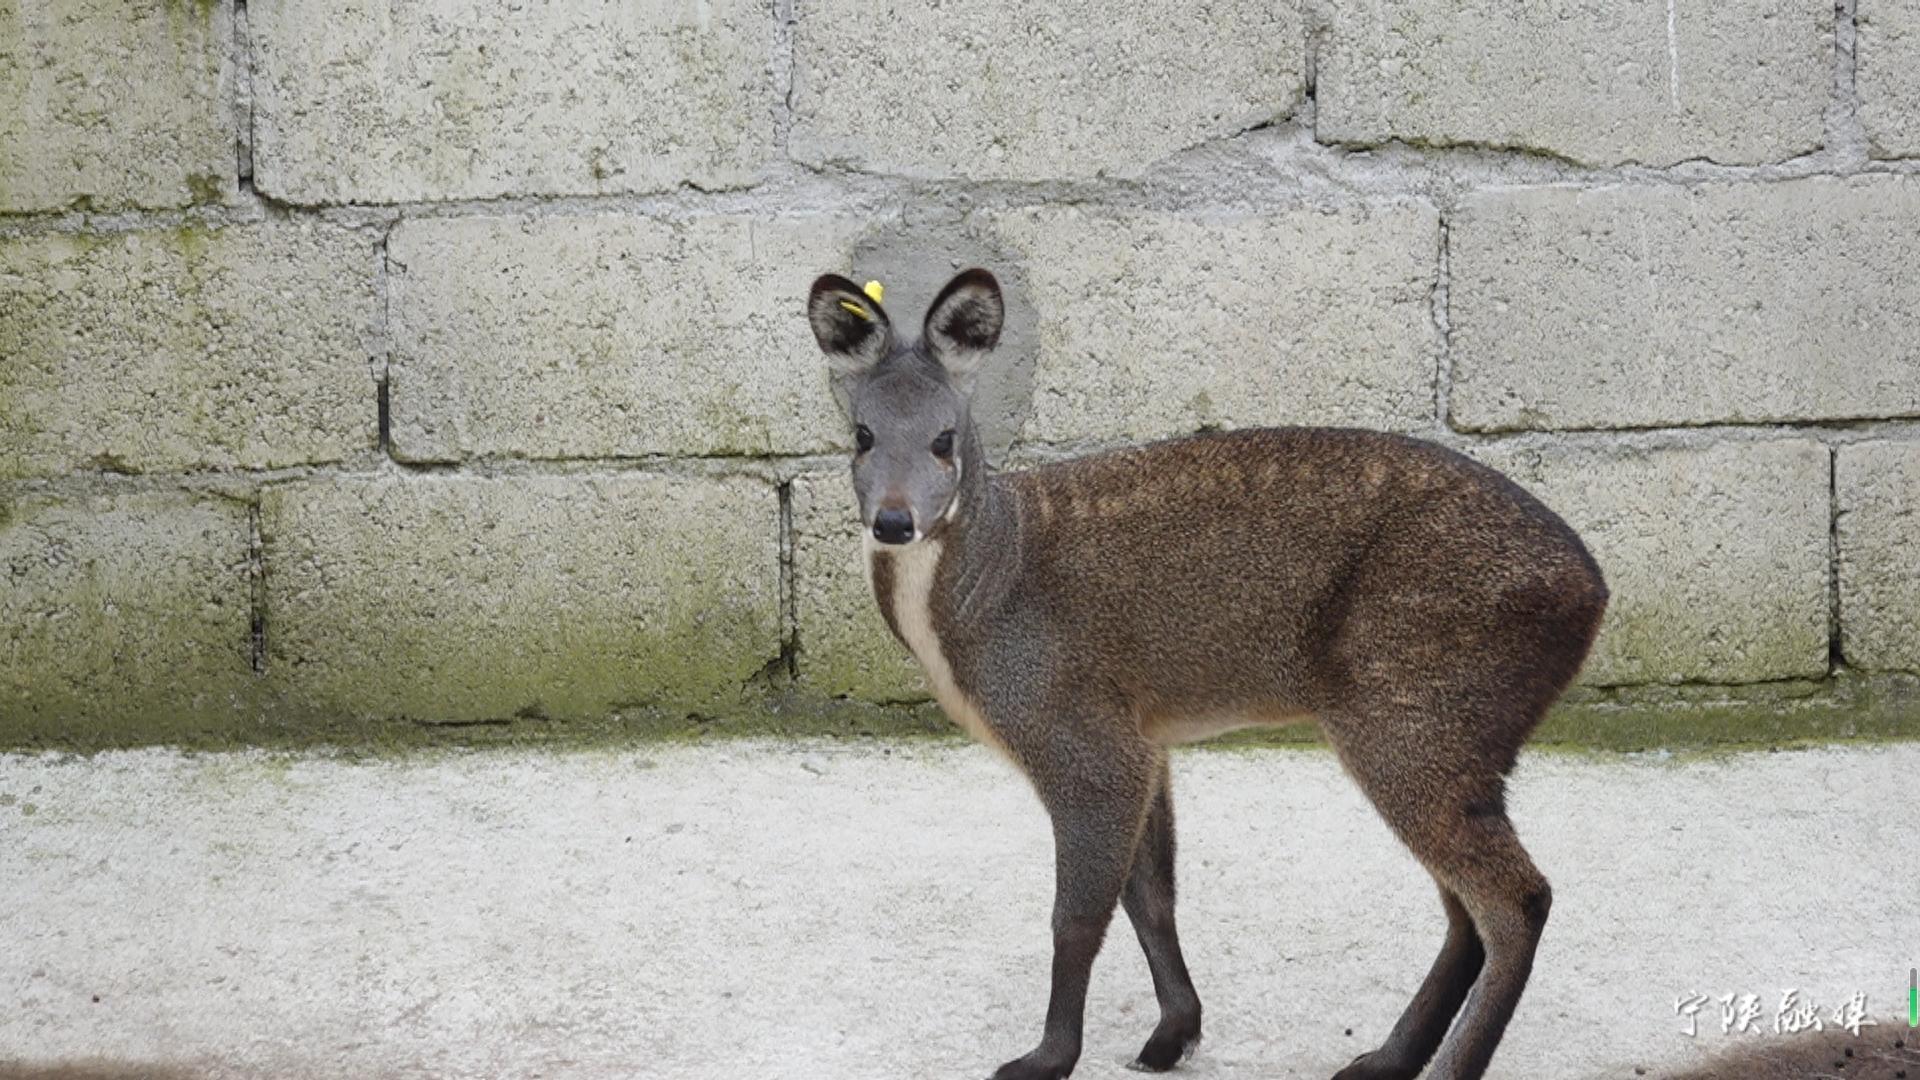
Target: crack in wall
[[243, 74], [789, 589], [381, 347], [1843, 134], [1836, 659], [257, 582], [385, 410], [784, 76], [1318, 24]]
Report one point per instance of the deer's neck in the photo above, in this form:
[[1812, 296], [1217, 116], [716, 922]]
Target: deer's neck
[[937, 592], [979, 546]]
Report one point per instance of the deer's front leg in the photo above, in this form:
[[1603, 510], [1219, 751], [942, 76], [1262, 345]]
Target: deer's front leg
[[1098, 793]]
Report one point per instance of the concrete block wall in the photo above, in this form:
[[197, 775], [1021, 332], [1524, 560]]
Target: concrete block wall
[[369, 365]]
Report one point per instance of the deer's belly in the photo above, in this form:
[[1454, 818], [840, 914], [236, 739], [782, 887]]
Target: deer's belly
[[1172, 730]]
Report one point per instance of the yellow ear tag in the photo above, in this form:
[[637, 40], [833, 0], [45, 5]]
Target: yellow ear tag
[[874, 291]]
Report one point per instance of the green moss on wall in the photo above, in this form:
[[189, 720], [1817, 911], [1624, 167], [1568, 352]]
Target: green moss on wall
[[282, 727], [1691, 720], [188, 13], [1767, 714], [191, 241], [1639, 644], [206, 188]]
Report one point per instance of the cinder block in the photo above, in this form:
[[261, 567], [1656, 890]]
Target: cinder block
[[1878, 488], [381, 101], [242, 347], [1716, 556], [111, 104], [1006, 90], [1887, 75], [844, 646], [1737, 82], [1156, 324], [1646, 306], [123, 618], [460, 598], [610, 336]]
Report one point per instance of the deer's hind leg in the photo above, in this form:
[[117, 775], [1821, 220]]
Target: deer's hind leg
[[1420, 1029], [1444, 797], [1148, 899]]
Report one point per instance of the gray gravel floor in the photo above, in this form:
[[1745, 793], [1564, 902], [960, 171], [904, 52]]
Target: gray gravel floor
[[825, 910]]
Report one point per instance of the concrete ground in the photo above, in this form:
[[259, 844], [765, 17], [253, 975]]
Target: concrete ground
[[853, 911]]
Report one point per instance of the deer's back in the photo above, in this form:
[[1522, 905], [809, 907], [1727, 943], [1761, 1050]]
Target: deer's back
[[1255, 569]]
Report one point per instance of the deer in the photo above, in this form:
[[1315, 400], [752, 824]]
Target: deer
[[1083, 617]]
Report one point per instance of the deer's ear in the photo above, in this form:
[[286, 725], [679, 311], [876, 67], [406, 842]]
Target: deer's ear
[[963, 325], [850, 326]]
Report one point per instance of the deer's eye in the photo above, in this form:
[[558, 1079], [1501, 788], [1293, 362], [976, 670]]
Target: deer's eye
[[943, 444], [863, 438]]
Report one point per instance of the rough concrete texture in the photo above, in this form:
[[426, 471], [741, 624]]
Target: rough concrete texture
[[381, 101], [1887, 75], [857, 912], [115, 103], [1643, 306], [582, 234], [1004, 90], [1716, 556], [186, 348], [610, 336], [1155, 324], [1877, 496], [1737, 82], [459, 598], [844, 648], [123, 609]]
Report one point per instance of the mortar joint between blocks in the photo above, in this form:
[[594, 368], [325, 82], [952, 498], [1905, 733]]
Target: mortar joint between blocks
[[257, 586], [1844, 137], [382, 343], [243, 64], [1836, 656], [1443, 326], [789, 586]]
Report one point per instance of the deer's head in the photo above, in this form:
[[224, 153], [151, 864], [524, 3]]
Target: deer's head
[[908, 400]]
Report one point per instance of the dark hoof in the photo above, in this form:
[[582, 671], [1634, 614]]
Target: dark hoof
[[1170, 1045], [1374, 1066], [1039, 1065]]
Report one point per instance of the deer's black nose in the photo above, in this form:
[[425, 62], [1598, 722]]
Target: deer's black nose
[[893, 526]]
